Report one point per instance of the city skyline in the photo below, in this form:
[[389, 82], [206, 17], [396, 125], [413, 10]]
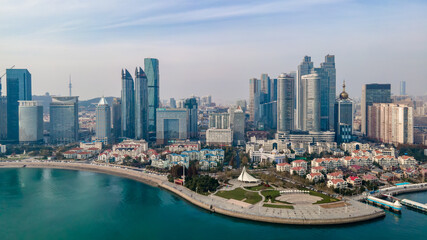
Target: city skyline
[[182, 34]]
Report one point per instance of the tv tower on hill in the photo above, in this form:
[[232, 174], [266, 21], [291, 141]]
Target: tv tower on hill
[[69, 85]]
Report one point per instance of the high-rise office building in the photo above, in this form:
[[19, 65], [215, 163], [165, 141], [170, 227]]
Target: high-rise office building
[[192, 109], [172, 103], [30, 122], [343, 118], [151, 66], [402, 88], [265, 88], [103, 121], [141, 105], [18, 89], [273, 89], [238, 127], [373, 93], [285, 102], [254, 99], [328, 67], [310, 85], [3, 118], [171, 125], [128, 105], [391, 123], [64, 120], [219, 120], [303, 69], [116, 118]]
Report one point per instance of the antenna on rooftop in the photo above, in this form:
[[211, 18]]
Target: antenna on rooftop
[[69, 85]]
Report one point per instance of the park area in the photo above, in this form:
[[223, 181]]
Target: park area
[[273, 198], [241, 195]]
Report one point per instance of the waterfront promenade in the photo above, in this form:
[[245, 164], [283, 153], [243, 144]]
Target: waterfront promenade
[[316, 214]]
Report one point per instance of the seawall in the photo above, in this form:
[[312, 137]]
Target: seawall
[[160, 181]]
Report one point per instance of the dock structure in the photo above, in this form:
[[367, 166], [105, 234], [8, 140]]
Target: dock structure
[[393, 206], [415, 205]]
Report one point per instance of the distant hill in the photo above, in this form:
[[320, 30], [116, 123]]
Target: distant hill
[[91, 103]]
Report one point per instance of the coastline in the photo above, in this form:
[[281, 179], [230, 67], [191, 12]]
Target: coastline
[[358, 212]]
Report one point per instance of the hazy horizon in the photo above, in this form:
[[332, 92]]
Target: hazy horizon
[[211, 47]]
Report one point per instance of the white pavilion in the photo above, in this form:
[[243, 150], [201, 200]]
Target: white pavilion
[[245, 177]]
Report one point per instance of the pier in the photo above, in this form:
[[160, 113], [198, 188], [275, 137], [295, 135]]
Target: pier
[[409, 203], [393, 206]]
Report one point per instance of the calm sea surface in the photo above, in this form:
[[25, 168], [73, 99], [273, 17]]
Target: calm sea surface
[[65, 204]]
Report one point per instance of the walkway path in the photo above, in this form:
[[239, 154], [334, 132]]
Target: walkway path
[[301, 214]]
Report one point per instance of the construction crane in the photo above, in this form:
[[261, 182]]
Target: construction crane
[[2, 77]]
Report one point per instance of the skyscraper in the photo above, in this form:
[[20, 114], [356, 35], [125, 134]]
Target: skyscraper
[[238, 127], [30, 122], [373, 93], [3, 118], [64, 120], [18, 89], [103, 121], [328, 67], [343, 118], [151, 66], [265, 88], [128, 105], [192, 109], [285, 102], [303, 69], [116, 118], [254, 99], [172, 103], [141, 105], [219, 120], [402, 88], [311, 102]]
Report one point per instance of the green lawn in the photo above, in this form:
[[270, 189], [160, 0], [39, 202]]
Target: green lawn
[[270, 194], [240, 194], [278, 206], [258, 188]]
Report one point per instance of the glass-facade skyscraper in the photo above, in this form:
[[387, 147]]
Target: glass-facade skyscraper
[[151, 66], [30, 122], [254, 99], [373, 93], [141, 105], [303, 69], [343, 118], [116, 118], [192, 108], [64, 120], [402, 88], [18, 89], [128, 105], [285, 103], [311, 102], [329, 69], [103, 121]]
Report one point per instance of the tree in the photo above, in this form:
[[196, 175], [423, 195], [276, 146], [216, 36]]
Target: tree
[[244, 158], [201, 183], [192, 170], [176, 171]]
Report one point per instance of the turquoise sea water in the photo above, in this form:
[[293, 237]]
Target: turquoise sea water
[[65, 204]]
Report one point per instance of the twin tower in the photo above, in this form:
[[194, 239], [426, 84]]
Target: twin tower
[[139, 101]]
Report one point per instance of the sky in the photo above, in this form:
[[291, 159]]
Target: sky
[[211, 46]]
